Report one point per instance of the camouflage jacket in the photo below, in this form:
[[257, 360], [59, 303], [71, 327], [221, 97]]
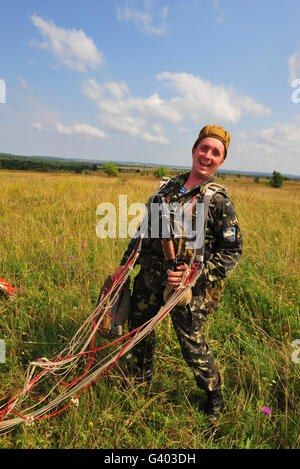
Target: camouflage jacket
[[223, 239]]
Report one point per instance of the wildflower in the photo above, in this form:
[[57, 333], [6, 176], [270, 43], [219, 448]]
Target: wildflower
[[71, 257], [2, 231], [91, 424], [266, 411]]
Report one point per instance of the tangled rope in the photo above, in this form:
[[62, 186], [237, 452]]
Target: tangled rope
[[82, 346]]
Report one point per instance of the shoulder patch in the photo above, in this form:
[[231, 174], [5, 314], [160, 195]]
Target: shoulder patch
[[229, 234]]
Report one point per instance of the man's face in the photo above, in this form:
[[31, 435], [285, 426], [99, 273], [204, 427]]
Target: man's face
[[208, 155]]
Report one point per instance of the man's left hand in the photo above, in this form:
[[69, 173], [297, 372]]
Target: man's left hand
[[175, 277]]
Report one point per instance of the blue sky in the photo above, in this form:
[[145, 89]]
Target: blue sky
[[135, 80]]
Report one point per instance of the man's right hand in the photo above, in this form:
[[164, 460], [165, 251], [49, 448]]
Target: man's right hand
[[117, 273]]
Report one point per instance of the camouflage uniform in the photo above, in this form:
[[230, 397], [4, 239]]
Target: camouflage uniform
[[222, 253]]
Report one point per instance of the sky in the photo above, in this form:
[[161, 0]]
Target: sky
[[136, 80]]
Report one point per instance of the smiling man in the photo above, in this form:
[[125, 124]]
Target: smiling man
[[222, 252]]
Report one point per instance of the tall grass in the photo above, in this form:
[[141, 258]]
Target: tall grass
[[49, 249]]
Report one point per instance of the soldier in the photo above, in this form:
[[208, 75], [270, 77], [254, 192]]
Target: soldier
[[223, 249]]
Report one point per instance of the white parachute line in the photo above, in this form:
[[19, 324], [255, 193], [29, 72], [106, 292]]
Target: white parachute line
[[63, 366], [144, 330]]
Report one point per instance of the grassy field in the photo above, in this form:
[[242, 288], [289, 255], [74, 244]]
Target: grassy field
[[49, 249]]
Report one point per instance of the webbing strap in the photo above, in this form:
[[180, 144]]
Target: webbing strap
[[210, 191]]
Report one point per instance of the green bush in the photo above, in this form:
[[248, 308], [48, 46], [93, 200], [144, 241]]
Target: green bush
[[160, 172], [110, 169], [276, 179]]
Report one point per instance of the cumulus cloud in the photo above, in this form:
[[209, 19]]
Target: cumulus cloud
[[273, 148], [194, 99], [144, 19], [122, 113], [199, 99], [84, 130], [70, 47], [283, 136]]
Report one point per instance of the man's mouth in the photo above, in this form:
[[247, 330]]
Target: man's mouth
[[204, 163]]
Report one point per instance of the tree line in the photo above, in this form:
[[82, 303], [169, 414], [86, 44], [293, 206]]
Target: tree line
[[44, 166], [109, 168]]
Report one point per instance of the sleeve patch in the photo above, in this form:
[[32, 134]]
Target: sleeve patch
[[229, 234]]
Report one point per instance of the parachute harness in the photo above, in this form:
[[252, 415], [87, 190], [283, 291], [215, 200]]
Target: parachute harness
[[82, 345]]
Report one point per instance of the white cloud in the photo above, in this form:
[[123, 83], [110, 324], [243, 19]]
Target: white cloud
[[155, 138], [157, 127], [71, 47], [123, 123], [202, 100], [195, 98], [123, 113], [144, 19], [84, 130], [117, 90], [183, 130], [284, 136], [274, 148]]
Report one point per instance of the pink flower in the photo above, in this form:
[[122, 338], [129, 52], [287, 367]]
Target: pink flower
[[266, 411]]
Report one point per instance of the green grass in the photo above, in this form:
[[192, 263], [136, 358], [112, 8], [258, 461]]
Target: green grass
[[49, 217]]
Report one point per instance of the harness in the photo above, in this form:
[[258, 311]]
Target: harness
[[118, 310], [205, 196]]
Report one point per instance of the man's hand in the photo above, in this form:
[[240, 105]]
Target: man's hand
[[116, 273], [175, 277]]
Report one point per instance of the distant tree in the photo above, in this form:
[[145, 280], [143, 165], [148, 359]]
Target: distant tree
[[256, 179], [110, 169], [276, 180], [160, 172]]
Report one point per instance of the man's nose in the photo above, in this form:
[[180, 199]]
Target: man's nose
[[208, 153]]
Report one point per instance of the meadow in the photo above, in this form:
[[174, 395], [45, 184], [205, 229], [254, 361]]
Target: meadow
[[50, 251]]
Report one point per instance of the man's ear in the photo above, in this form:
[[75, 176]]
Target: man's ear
[[224, 156]]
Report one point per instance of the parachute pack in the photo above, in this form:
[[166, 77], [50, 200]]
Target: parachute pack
[[6, 289], [113, 321]]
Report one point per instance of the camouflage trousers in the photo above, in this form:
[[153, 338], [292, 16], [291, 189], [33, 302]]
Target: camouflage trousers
[[147, 298]]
